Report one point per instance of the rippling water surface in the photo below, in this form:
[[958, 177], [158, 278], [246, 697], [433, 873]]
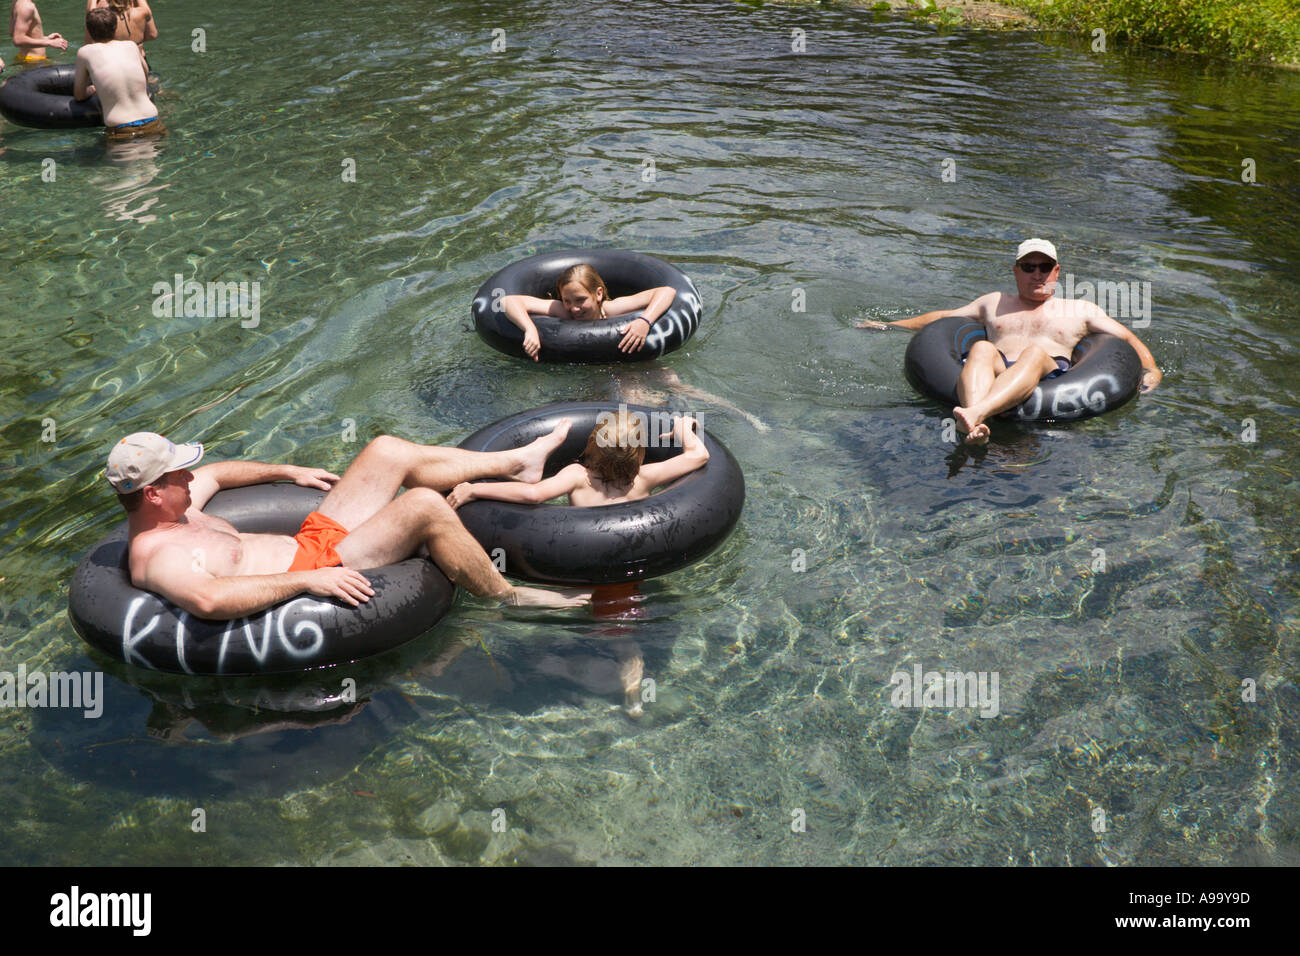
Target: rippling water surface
[[1123, 576]]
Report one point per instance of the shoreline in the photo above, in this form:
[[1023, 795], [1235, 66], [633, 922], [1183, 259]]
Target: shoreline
[[993, 15]]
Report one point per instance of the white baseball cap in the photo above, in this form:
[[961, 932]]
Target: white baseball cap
[[144, 457], [1037, 245]]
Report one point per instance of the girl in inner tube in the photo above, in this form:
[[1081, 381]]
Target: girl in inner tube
[[611, 470], [581, 294]]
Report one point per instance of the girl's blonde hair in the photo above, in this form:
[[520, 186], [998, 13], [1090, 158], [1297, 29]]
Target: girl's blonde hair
[[616, 449]]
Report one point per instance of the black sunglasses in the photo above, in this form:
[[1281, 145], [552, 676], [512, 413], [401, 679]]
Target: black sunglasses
[[1043, 267]]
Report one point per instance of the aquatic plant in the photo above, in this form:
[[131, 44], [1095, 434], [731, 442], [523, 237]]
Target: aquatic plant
[[1266, 30]]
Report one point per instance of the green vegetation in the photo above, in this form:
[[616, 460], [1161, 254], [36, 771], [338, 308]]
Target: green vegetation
[[1241, 29]]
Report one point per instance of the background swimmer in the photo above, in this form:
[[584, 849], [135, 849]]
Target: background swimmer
[[29, 36], [134, 21]]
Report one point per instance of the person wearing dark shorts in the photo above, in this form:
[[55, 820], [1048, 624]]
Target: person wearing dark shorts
[[1062, 364], [1035, 326]]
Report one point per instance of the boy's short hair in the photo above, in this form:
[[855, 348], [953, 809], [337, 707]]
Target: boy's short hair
[[101, 24]]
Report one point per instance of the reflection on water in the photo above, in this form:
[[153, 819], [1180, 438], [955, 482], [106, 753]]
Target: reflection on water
[[1124, 575], [127, 183]]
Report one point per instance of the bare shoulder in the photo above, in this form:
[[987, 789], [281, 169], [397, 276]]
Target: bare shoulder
[[989, 305], [577, 473], [152, 550]]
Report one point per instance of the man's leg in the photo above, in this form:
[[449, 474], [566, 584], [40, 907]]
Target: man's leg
[[422, 516], [1008, 389], [388, 464]]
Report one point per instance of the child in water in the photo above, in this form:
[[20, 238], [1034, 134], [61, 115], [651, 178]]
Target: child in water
[[580, 293], [611, 470]]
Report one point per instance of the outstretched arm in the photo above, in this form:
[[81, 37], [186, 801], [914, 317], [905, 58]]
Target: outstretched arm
[[179, 576], [210, 479], [1099, 321], [972, 310], [523, 492], [694, 455]]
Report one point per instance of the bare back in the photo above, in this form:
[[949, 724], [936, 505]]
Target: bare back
[[594, 492], [118, 73], [135, 23]]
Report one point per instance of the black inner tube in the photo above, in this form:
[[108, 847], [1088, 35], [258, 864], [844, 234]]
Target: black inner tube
[[42, 98], [579, 341], [561, 544], [1105, 372]]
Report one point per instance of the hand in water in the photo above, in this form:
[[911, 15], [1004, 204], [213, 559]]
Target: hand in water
[[872, 324]]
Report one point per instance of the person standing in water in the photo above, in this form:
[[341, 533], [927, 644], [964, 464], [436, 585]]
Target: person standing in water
[[134, 22], [115, 70], [29, 36]]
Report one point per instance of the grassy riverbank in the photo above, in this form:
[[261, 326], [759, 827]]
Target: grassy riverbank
[[1249, 30], [1262, 30]]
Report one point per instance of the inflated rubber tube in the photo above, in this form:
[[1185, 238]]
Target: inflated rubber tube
[[42, 98], [1104, 373], [561, 544], [140, 628], [577, 340]]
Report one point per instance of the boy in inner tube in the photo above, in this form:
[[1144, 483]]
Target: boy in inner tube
[[1031, 335]]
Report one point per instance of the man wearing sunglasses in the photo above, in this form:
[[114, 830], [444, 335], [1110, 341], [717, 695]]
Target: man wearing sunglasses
[[1031, 335]]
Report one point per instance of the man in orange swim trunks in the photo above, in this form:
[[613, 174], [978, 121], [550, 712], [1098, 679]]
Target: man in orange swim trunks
[[204, 566]]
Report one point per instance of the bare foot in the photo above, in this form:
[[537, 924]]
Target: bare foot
[[971, 425], [532, 457], [540, 597]]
